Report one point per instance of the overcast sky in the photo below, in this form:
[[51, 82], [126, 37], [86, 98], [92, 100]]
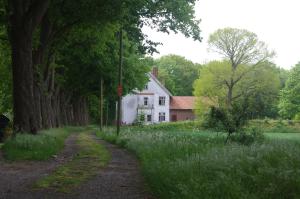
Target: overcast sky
[[276, 22]]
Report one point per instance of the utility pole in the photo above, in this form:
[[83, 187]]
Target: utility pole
[[120, 86]]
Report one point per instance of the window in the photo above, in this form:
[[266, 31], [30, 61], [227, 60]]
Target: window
[[146, 87], [145, 101], [162, 101], [149, 118], [162, 117]]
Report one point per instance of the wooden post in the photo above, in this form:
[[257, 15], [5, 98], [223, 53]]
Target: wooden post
[[101, 103], [120, 86], [107, 107]]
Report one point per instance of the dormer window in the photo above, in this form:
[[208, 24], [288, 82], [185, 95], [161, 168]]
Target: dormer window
[[145, 101], [162, 101]]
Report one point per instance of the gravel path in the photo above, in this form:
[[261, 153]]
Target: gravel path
[[121, 179]]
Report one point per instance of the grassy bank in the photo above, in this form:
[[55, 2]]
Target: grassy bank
[[198, 164], [37, 147], [92, 157]]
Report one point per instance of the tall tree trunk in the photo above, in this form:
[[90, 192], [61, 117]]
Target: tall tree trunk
[[23, 96], [25, 16]]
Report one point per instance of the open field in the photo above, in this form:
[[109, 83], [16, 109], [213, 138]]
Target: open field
[[197, 164]]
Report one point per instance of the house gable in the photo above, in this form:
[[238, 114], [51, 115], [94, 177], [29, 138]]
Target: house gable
[[154, 86]]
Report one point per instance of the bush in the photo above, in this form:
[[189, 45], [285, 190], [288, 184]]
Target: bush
[[297, 117], [248, 136], [228, 120]]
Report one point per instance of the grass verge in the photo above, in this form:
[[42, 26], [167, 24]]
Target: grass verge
[[37, 147], [179, 164], [92, 157]]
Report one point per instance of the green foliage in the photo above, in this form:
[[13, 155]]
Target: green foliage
[[91, 157], [177, 74], [109, 136], [276, 126], [198, 165], [289, 104], [180, 125], [5, 77], [229, 120], [141, 118], [239, 46], [297, 117], [37, 147], [248, 136], [259, 86]]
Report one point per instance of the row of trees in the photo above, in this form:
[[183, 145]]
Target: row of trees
[[59, 50]]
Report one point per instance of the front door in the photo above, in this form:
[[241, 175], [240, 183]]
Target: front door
[[174, 118]]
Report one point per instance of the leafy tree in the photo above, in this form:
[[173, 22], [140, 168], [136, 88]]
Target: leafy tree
[[259, 87], [243, 51], [38, 31], [289, 105], [178, 74]]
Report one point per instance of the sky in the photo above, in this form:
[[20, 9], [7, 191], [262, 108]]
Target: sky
[[276, 22]]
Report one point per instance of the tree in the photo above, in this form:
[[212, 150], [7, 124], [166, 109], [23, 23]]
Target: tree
[[259, 87], [5, 79], [289, 105], [243, 50], [177, 73], [37, 30]]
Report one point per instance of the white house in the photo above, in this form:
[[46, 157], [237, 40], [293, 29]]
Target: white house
[[153, 103]]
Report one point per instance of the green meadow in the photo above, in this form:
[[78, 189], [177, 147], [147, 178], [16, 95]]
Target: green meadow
[[195, 163]]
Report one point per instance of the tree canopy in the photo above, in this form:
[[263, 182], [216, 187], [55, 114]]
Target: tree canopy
[[60, 49], [243, 51], [260, 87], [177, 73], [289, 106]]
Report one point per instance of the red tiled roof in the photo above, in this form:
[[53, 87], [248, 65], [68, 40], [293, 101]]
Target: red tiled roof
[[182, 102]]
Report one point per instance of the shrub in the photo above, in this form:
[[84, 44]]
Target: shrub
[[248, 136], [297, 117], [230, 120]]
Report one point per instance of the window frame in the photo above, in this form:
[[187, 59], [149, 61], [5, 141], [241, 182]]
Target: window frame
[[162, 99], [161, 116], [146, 101], [149, 116]]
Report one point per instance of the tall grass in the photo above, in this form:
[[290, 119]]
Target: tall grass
[[37, 147], [198, 164]]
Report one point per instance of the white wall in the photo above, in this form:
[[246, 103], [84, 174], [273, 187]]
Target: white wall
[[131, 102], [129, 109], [154, 87]]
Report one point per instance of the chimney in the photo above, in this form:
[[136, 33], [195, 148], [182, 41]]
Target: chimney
[[155, 72]]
